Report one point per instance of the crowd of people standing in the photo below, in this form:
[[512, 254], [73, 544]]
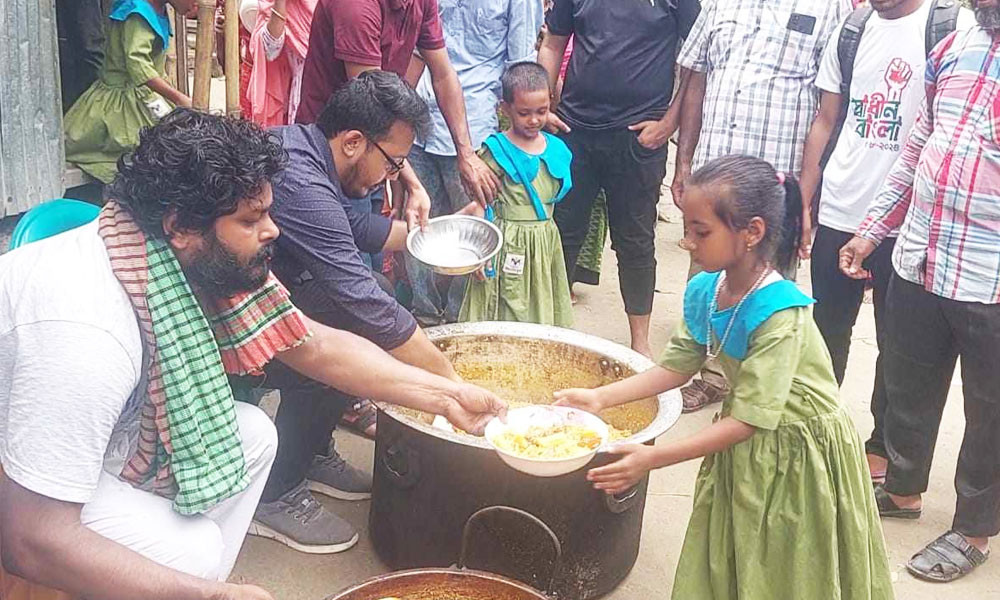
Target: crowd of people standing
[[861, 137]]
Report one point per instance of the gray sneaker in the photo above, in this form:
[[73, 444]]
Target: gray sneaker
[[299, 521], [333, 477]]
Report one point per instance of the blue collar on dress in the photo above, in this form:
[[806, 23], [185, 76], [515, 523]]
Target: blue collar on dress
[[757, 309], [160, 24], [523, 167]]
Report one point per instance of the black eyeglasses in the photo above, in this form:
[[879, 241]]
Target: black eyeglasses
[[395, 166]]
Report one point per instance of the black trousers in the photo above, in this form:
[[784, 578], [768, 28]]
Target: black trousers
[[307, 415], [924, 336], [838, 300], [631, 176], [80, 25], [309, 411]]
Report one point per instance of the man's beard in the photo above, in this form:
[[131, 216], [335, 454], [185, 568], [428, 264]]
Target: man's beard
[[988, 17], [220, 273], [351, 186]]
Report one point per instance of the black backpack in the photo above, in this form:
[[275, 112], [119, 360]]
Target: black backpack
[[943, 20]]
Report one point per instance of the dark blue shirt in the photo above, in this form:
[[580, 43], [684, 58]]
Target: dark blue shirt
[[318, 254], [622, 68]]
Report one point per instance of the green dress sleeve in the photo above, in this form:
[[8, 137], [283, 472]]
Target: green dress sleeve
[[683, 353], [140, 45], [764, 380], [487, 156]]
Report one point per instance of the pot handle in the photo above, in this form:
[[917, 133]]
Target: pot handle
[[556, 545], [619, 503], [402, 464]]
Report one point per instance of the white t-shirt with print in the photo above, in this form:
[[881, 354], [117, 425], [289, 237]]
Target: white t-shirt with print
[[887, 88], [70, 358]]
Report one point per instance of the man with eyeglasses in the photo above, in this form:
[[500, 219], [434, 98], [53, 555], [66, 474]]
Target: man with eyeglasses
[[358, 142]]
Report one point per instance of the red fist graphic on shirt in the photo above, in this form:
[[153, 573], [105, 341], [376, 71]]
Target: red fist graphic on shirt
[[897, 77]]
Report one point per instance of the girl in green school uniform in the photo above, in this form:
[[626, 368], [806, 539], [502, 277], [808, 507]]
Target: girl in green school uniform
[[131, 91], [528, 279], [783, 504]]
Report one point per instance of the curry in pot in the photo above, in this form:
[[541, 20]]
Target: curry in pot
[[524, 371]]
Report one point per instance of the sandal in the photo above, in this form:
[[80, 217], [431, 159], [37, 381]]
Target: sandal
[[700, 394], [889, 509], [946, 559], [361, 418]]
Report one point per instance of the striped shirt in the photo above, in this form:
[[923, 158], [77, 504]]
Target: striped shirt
[[761, 58], [945, 187]]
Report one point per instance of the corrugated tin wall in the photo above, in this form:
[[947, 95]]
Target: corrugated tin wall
[[31, 138]]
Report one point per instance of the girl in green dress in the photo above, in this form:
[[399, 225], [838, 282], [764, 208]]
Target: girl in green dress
[[527, 280], [783, 504], [130, 92]]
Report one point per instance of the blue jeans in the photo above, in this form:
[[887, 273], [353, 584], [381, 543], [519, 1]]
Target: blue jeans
[[437, 299]]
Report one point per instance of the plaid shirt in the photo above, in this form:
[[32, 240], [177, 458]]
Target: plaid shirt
[[761, 63], [945, 187]]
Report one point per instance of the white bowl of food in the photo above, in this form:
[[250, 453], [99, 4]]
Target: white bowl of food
[[547, 441]]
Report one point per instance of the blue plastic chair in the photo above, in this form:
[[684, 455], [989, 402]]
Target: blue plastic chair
[[52, 217]]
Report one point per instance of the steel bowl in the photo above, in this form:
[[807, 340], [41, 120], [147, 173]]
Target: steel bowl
[[455, 244]]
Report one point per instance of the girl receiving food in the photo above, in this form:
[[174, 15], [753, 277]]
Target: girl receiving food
[[783, 500]]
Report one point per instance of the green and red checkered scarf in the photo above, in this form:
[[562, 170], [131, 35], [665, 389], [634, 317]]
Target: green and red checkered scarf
[[189, 441]]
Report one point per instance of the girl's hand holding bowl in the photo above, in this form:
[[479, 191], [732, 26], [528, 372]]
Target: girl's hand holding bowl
[[584, 399]]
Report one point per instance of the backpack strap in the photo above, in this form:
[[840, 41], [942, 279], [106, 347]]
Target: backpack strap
[[847, 51], [942, 20]]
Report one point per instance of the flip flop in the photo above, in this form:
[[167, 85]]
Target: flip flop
[[889, 509], [947, 558]]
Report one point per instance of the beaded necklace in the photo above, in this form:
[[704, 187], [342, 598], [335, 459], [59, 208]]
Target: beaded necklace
[[713, 306]]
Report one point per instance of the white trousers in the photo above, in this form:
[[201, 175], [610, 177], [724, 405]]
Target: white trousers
[[203, 545]]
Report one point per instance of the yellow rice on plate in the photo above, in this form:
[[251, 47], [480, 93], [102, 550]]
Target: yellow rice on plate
[[560, 441]]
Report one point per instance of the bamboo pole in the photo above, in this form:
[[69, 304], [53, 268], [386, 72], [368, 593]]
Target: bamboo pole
[[181, 37], [203, 54], [171, 63], [232, 59]]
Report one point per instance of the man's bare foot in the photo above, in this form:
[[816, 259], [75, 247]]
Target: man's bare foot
[[981, 543], [907, 502], [643, 349], [638, 326], [877, 466]]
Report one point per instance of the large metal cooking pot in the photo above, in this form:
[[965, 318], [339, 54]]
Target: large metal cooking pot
[[428, 481], [457, 583], [439, 584]]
